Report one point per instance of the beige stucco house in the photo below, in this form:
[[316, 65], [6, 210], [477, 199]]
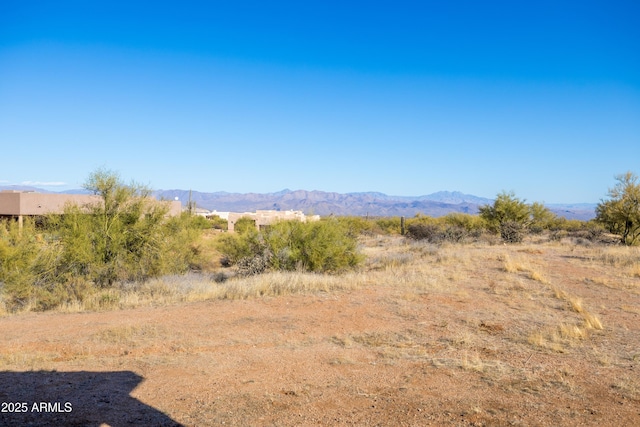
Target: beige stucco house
[[18, 204], [266, 217]]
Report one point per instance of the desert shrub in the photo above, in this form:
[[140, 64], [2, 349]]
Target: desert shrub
[[322, 246], [562, 223], [127, 237], [473, 224], [31, 273], [388, 225], [585, 231], [244, 225], [428, 232], [180, 251], [235, 246], [200, 222], [356, 225], [540, 218], [19, 254], [620, 213], [455, 234], [252, 265], [513, 218], [512, 231], [433, 233], [218, 223], [506, 208], [558, 235]]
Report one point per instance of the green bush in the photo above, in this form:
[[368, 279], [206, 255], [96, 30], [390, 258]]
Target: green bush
[[389, 225], [432, 233], [19, 255], [473, 224], [356, 225], [126, 237], [244, 225], [560, 223], [437, 233], [620, 213], [218, 223], [322, 246], [235, 246], [513, 218]]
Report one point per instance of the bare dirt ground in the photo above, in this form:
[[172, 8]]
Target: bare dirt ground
[[536, 334]]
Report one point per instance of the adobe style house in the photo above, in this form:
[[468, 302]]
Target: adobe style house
[[18, 204], [266, 217]]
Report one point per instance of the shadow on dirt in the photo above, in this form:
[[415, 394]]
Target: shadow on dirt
[[50, 398]]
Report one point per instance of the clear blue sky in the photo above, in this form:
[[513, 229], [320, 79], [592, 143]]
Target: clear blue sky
[[402, 97]]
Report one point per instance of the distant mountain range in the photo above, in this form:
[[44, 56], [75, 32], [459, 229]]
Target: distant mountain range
[[360, 204], [367, 203]]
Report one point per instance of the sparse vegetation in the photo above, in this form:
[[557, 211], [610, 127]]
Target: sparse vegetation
[[508, 319], [70, 257], [620, 213], [325, 246], [513, 218]]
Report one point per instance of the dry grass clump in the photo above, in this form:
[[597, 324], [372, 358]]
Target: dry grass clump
[[618, 256], [558, 338], [575, 304], [130, 335], [509, 265], [565, 334], [592, 321], [389, 346], [199, 287], [285, 283], [627, 388], [538, 277]]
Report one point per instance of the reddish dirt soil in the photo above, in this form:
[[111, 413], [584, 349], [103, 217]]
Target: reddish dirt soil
[[378, 355]]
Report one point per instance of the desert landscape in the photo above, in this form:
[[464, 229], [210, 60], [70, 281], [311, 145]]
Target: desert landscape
[[316, 213], [544, 332]]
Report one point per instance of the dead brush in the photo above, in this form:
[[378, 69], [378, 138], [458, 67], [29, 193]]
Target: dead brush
[[575, 304], [130, 335], [634, 271], [559, 338], [619, 256], [538, 277], [511, 266]]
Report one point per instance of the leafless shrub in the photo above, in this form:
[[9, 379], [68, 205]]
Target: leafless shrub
[[512, 232]]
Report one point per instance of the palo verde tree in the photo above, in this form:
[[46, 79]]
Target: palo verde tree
[[620, 213], [125, 236], [512, 217]]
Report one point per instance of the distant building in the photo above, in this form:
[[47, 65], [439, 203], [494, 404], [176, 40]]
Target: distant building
[[18, 204], [266, 217], [201, 212], [223, 215]]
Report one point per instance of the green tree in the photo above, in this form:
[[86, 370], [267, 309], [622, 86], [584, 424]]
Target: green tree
[[506, 207], [540, 216], [126, 236], [620, 213], [319, 246], [512, 217]]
